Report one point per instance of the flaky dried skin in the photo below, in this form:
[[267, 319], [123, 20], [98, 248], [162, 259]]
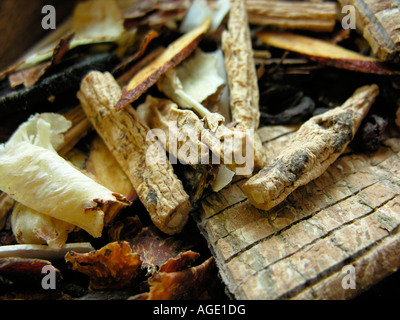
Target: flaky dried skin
[[114, 266], [314, 147], [240, 68], [198, 141], [176, 280], [142, 159]]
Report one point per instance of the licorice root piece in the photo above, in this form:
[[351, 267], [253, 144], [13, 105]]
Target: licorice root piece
[[314, 147]]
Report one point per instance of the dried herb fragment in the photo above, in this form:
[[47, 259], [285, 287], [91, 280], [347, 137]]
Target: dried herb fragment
[[143, 160], [153, 249], [176, 280], [32, 75], [326, 53], [240, 68], [315, 16], [65, 80], [372, 132], [114, 266], [172, 56], [379, 22], [26, 271], [109, 173], [314, 147]]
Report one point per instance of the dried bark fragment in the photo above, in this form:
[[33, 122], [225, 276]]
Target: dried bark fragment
[[32, 75], [379, 22], [113, 266], [177, 280], [143, 161], [326, 53], [55, 187], [293, 14], [172, 56], [24, 270], [37, 177], [315, 146]]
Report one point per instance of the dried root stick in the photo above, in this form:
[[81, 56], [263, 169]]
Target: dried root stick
[[293, 14], [241, 74], [152, 176], [379, 22], [314, 147]]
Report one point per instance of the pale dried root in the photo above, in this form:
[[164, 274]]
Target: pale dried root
[[143, 160], [314, 147]]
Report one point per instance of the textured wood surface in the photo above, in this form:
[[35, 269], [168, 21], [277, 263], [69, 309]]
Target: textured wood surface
[[348, 216]]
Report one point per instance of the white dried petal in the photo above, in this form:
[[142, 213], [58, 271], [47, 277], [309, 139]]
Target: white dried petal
[[200, 10], [45, 182], [44, 129]]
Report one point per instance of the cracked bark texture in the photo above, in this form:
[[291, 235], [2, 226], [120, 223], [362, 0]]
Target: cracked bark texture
[[350, 215]]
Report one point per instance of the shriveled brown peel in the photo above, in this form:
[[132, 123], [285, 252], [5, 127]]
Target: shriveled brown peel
[[170, 57], [326, 53]]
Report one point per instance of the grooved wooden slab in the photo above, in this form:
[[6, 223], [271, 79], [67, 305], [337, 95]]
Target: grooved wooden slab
[[348, 216]]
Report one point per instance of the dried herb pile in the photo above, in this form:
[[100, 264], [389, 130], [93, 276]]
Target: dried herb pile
[[219, 68]]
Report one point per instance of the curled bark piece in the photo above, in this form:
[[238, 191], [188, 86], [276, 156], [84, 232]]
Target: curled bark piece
[[144, 161], [314, 147]]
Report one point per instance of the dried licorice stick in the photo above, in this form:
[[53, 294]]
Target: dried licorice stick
[[125, 135], [314, 147]]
